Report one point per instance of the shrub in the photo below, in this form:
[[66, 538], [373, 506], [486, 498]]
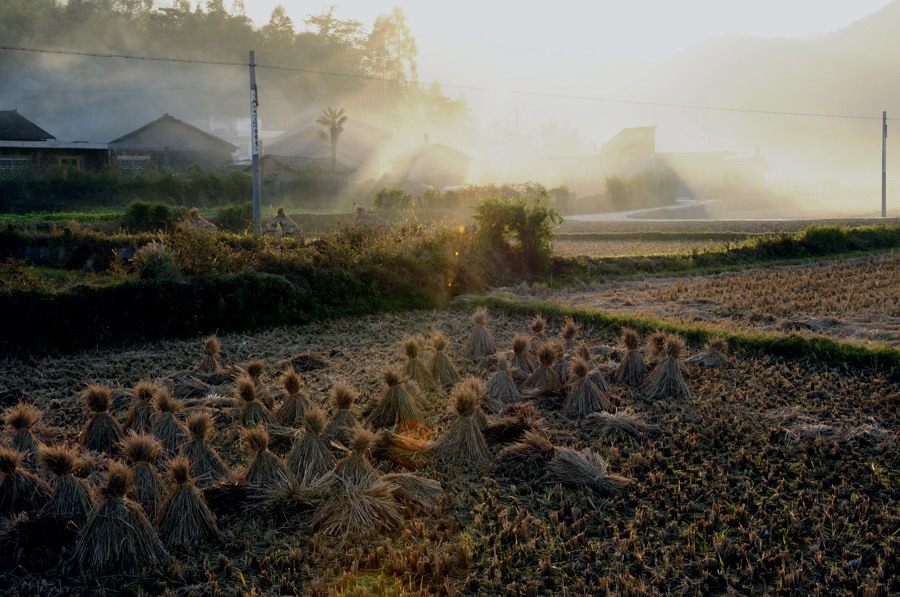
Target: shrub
[[150, 216], [826, 239], [530, 221], [154, 260], [642, 190], [387, 198], [235, 218]]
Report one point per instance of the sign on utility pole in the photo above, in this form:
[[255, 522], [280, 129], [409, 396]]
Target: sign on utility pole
[[884, 164], [254, 144]]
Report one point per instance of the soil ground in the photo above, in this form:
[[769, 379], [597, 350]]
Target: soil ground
[[774, 478]]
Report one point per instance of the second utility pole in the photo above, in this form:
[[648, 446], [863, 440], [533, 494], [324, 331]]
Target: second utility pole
[[884, 164], [254, 145]]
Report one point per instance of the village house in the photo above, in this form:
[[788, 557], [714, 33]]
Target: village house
[[168, 144], [27, 148], [303, 151], [432, 164]]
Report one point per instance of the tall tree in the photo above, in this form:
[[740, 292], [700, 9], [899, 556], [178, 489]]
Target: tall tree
[[391, 49], [279, 31], [333, 120]]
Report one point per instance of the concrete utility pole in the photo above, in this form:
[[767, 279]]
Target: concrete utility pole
[[884, 164], [254, 144]]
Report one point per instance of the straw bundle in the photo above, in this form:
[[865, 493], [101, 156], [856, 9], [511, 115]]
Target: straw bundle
[[585, 468], [413, 490], [22, 419], [544, 379], [583, 352], [354, 470], [415, 369], [441, 365], [252, 411], [264, 471], [71, 499], [209, 364], [464, 444], [255, 370], [621, 424], [486, 402], [522, 362], [713, 356], [117, 536], [168, 429], [344, 422], [527, 458], [481, 342], [667, 380], [20, 490], [141, 417], [142, 450], [102, 433], [569, 333], [562, 367], [396, 406], [514, 420], [359, 511], [537, 339], [206, 465], [631, 370], [584, 398], [403, 449], [184, 518], [656, 344], [310, 457], [501, 387], [292, 408]]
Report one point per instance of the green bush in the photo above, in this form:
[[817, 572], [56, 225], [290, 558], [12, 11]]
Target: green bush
[[529, 221], [395, 199], [235, 218], [154, 261], [826, 239], [151, 216]]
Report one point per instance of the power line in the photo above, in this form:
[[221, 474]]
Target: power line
[[452, 86], [141, 90]]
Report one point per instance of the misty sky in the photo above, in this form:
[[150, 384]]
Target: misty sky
[[636, 30]]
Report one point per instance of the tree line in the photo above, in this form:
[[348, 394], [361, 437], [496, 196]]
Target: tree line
[[378, 62]]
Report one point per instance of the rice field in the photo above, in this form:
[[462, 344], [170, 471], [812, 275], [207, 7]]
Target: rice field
[[854, 299], [676, 470]]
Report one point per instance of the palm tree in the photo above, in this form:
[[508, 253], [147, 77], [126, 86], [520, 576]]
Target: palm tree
[[334, 120]]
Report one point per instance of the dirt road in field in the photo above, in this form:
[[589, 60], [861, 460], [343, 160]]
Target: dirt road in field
[[849, 299]]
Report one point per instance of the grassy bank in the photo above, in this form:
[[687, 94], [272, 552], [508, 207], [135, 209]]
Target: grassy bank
[[817, 349], [813, 242]]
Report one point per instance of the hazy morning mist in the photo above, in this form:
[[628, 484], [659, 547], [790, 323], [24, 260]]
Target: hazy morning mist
[[440, 299]]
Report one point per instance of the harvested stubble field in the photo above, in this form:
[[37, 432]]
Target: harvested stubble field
[[777, 477], [854, 299]]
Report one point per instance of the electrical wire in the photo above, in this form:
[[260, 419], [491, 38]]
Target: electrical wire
[[453, 86]]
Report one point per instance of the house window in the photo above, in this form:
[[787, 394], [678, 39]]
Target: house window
[[13, 166], [132, 165], [70, 161]]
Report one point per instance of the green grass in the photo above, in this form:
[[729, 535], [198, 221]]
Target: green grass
[[38, 217], [792, 346]]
